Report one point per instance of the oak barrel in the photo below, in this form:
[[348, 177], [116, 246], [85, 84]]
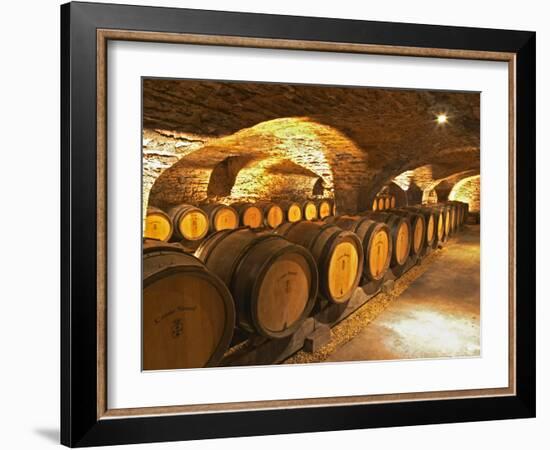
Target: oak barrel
[[400, 229], [188, 312], [418, 229], [158, 225], [453, 212], [462, 209], [222, 217], [310, 210], [338, 253], [273, 281], [459, 213], [445, 211], [376, 240], [273, 214], [292, 210], [324, 208], [434, 228], [249, 214], [190, 222]]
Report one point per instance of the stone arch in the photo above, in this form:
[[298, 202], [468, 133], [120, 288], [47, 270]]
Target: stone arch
[[275, 179], [421, 171], [394, 190], [365, 136], [444, 186], [223, 175], [429, 197], [414, 194], [307, 153], [467, 190]]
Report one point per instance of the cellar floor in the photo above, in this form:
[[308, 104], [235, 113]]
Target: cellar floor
[[436, 316]]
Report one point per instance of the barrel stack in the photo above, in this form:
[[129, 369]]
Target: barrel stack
[[338, 254], [400, 228], [418, 230], [263, 268], [273, 281], [376, 241], [434, 225]]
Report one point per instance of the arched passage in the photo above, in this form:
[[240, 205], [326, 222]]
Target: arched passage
[[468, 190]]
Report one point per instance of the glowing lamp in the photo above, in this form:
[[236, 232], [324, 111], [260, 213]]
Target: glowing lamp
[[441, 119]]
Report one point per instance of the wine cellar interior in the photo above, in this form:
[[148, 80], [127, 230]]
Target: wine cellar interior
[[290, 224]]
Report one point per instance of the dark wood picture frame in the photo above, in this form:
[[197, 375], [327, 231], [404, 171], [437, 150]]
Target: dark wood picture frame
[[85, 29]]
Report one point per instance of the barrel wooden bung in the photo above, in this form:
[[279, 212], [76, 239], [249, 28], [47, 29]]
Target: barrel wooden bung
[[310, 211], [158, 225], [188, 313]]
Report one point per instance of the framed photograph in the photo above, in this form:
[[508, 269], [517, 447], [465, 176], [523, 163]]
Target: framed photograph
[[277, 224]]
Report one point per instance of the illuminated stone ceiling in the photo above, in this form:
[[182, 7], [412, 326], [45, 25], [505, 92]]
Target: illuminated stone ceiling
[[354, 140]]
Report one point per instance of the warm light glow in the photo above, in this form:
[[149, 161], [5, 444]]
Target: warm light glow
[[467, 191], [442, 118]]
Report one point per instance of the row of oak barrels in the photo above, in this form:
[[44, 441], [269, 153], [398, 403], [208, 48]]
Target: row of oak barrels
[[267, 282], [382, 202], [193, 223]]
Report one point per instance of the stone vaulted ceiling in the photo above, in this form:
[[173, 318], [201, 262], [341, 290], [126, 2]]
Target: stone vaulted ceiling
[[284, 139]]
